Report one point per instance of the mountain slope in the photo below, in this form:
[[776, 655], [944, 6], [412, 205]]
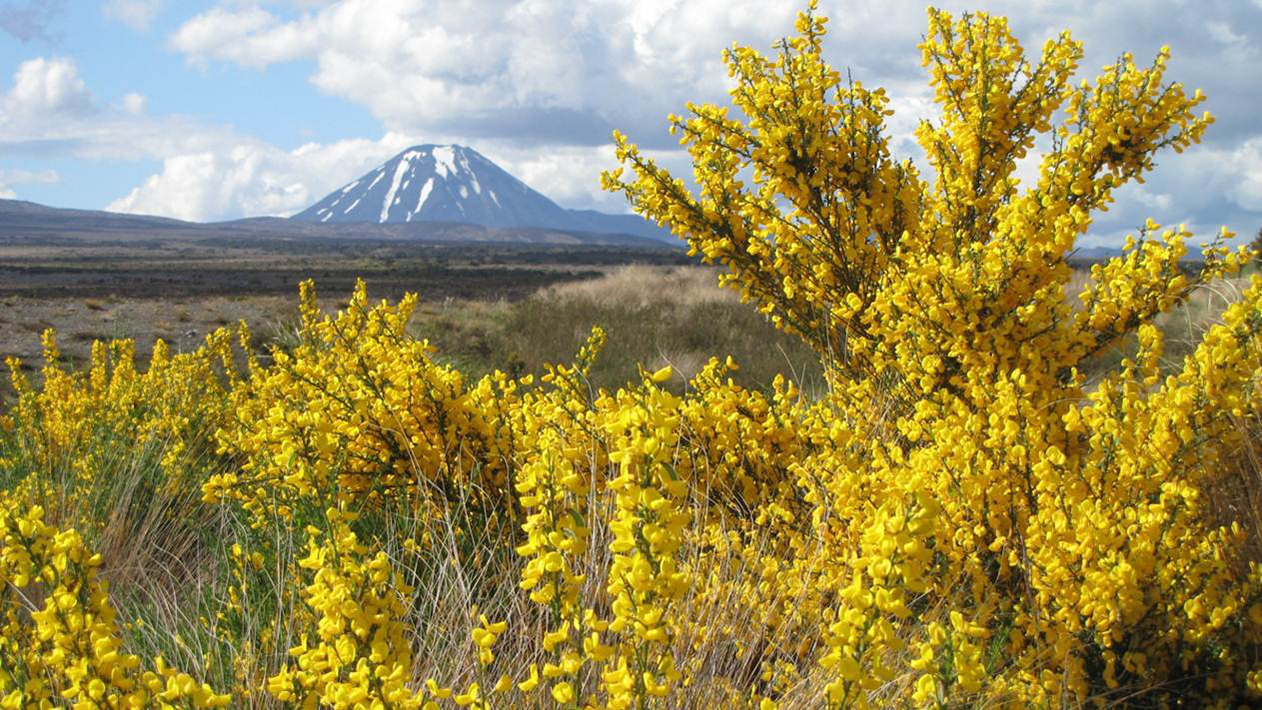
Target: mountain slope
[[34, 218], [28, 222], [453, 183]]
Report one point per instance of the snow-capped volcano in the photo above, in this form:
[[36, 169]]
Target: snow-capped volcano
[[453, 183]]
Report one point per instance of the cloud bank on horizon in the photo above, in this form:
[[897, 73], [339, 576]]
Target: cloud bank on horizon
[[336, 87]]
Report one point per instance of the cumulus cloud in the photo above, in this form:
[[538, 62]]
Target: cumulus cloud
[[570, 174], [542, 69], [134, 103], [1205, 189], [1246, 174], [136, 14], [252, 178], [48, 86], [567, 73], [1153, 200], [248, 35], [50, 111]]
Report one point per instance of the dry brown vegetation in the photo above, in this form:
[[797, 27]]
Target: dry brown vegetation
[[653, 315]]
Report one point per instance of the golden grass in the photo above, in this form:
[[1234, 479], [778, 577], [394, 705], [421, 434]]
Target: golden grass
[[642, 286]]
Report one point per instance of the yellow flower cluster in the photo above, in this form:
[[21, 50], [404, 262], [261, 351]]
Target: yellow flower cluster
[[172, 405], [360, 655], [959, 521], [59, 640], [359, 411], [889, 569]]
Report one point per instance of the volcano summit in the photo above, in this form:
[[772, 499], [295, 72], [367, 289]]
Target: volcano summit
[[454, 183]]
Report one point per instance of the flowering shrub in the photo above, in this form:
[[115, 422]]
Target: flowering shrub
[[60, 640], [357, 411], [174, 405], [1069, 534], [959, 521]]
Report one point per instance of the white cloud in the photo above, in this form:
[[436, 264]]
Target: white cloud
[[11, 178], [252, 178], [48, 86], [1235, 47], [569, 175], [208, 171], [136, 14], [1206, 188], [247, 35], [1246, 164], [135, 103], [566, 72], [49, 110], [560, 72], [1152, 200], [1221, 32]]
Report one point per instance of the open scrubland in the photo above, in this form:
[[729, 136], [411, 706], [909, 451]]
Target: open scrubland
[[179, 290], [995, 482]]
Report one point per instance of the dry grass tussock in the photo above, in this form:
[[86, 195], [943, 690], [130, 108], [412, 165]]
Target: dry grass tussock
[[642, 286], [654, 316]]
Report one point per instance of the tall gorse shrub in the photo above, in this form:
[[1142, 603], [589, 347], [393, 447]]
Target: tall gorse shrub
[[1069, 533]]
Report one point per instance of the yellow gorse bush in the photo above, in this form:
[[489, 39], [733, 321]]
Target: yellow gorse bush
[[357, 410], [173, 404], [959, 521], [60, 640]]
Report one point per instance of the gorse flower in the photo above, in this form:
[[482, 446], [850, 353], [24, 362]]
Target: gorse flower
[[65, 650], [961, 520]]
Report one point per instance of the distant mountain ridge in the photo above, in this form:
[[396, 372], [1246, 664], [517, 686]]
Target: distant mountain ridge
[[35, 223], [454, 183]]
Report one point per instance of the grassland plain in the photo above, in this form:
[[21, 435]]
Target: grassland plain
[[181, 290], [979, 509]]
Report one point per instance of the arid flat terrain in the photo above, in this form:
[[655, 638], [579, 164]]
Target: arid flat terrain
[[180, 289]]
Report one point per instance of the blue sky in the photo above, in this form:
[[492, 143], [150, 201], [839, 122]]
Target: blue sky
[[220, 109]]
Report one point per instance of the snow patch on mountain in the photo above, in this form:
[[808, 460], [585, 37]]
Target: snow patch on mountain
[[444, 160], [420, 202], [404, 164]]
